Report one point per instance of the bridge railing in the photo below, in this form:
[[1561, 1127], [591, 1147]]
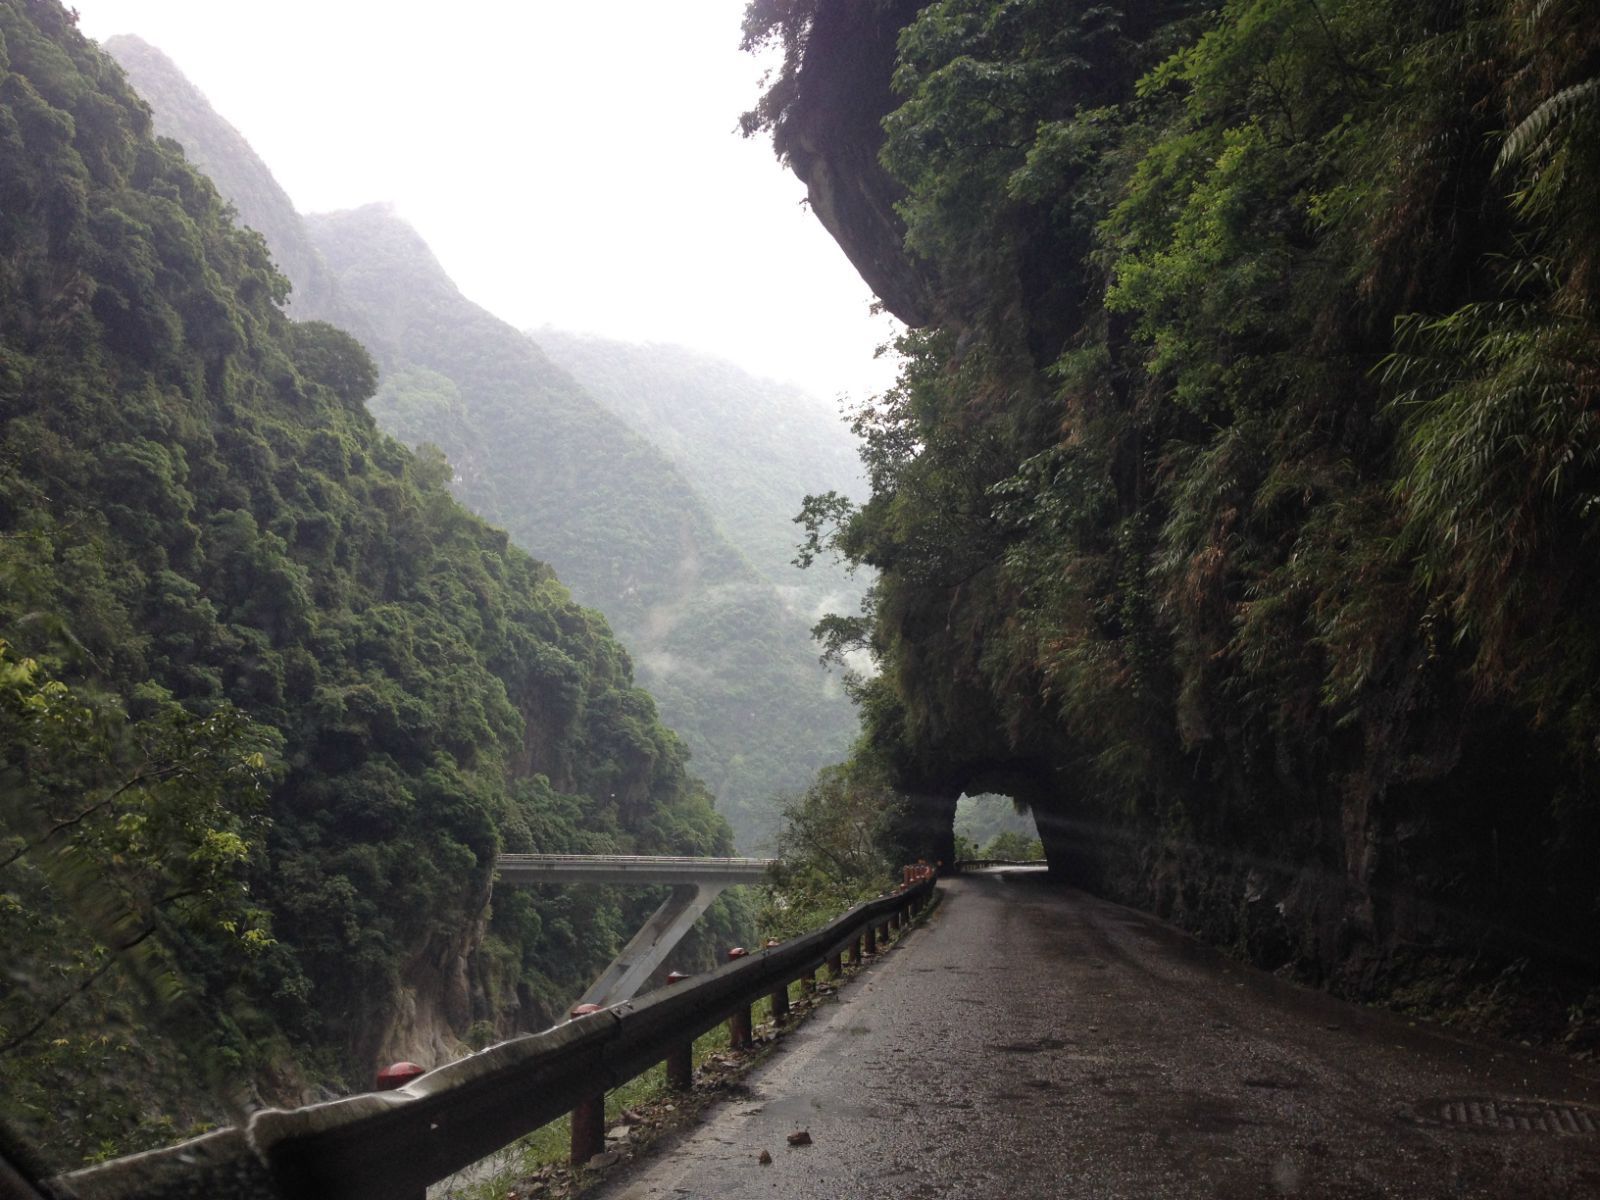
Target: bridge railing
[[392, 1145], [969, 864], [641, 860]]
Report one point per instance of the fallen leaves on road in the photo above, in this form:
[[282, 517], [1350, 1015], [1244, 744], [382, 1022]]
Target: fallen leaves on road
[[765, 1158], [800, 1137]]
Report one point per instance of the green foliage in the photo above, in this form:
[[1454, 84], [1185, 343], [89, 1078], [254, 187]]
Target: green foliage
[[215, 570], [124, 885], [1013, 847], [623, 521], [1241, 491], [835, 849], [654, 483], [981, 819]]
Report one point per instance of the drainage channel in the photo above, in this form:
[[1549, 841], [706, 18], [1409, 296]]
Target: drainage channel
[[1511, 1116]]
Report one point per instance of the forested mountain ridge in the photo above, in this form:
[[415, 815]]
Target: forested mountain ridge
[[733, 670], [271, 700], [616, 520], [753, 448], [1235, 504], [219, 152]]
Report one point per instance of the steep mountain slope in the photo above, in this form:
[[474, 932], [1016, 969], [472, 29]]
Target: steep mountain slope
[[219, 152], [271, 700], [753, 448], [733, 670], [732, 667]]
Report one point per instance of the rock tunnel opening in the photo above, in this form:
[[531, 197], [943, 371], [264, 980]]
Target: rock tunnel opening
[[939, 817], [993, 825]]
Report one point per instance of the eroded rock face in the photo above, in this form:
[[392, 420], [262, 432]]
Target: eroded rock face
[[831, 137], [432, 1008]]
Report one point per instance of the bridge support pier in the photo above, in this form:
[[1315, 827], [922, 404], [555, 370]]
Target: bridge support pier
[[649, 948]]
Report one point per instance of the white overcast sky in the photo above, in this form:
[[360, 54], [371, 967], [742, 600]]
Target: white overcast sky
[[569, 162]]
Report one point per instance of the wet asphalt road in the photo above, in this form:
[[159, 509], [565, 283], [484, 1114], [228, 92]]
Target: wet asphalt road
[[1033, 1041]]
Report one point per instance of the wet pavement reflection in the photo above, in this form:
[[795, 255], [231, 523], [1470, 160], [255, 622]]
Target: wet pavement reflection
[[1033, 1041]]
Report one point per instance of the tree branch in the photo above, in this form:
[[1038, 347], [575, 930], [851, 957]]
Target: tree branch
[[83, 986], [62, 826]]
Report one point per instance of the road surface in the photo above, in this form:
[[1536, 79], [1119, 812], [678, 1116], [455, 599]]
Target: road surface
[[1031, 1041]]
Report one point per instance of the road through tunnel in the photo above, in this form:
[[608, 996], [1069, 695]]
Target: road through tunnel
[[926, 826]]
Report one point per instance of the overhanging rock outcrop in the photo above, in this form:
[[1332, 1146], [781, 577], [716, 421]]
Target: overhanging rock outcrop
[[830, 135]]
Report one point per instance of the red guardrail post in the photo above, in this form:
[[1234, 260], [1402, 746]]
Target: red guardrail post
[[397, 1075], [739, 1022], [680, 1059], [589, 1117]]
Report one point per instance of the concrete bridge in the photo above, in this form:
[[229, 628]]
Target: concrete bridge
[[629, 868], [695, 882]]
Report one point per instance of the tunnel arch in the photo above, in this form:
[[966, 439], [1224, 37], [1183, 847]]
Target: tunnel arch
[[926, 828]]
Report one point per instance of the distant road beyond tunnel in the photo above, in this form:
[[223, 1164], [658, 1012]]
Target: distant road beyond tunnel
[[1032, 1041]]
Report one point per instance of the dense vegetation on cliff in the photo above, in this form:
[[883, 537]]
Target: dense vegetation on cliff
[[633, 530], [1236, 504], [270, 699]]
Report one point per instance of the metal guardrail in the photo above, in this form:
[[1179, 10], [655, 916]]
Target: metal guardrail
[[389, 1145]]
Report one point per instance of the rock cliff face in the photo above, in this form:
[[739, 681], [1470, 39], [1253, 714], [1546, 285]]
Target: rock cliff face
[[1046, 630], [830, 134]]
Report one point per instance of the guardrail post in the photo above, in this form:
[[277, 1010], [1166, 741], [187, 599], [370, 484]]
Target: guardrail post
[[397, 1075], [588, 1130], [739, 1021], [780, 995], [864, 944], [739, 1028], [836, 964], [680, 1059], [589, 1116]]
